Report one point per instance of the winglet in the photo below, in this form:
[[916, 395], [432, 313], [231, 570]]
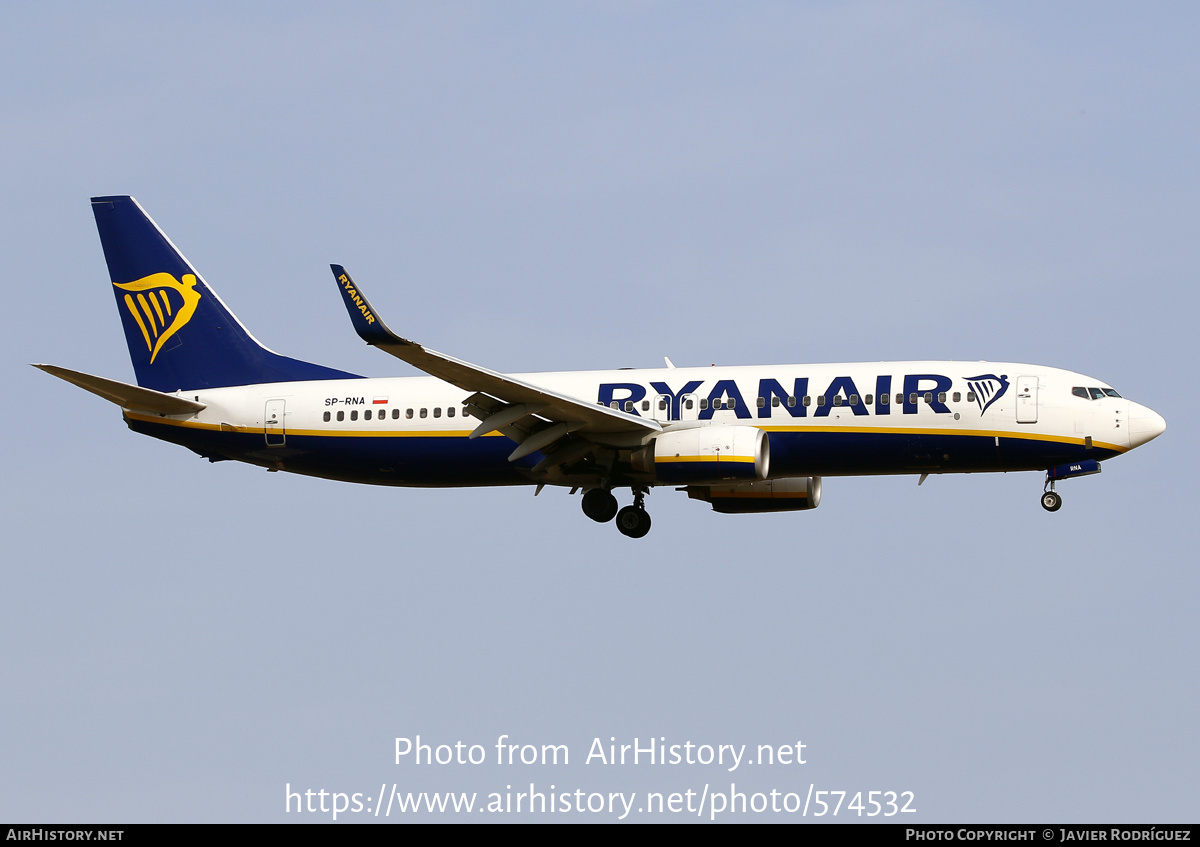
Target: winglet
[[367, 323], [551, 405]]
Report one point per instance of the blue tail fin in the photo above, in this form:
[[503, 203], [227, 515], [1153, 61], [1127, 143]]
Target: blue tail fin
[[180, 334]]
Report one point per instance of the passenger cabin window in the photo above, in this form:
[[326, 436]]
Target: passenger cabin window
[[354, 414], [970, 396], [820, 399], [792, 401], [327, 416], [424, 413], [450, 412], [703, 402], [941, 396], [367, 415], [762, 402], [645, 405], [396, 414], [957, 396], [853, 399], [408, 413], [869, 399], [900, 399], [341, 416], [775, 402], [807, 400], [837, 401], [437, 411], [885, 399]]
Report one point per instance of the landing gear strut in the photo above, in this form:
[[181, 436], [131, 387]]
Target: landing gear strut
[[633, 521], [599, 505], [1051, 501]]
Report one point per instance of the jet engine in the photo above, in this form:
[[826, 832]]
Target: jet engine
[[706, 454]]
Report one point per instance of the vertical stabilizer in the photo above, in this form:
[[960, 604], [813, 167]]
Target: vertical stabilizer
[[180, 334]]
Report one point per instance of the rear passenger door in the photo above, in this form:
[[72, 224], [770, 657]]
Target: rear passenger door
[[273, 429]]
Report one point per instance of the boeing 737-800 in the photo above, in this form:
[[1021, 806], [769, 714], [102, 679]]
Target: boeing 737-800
[[743, 439]]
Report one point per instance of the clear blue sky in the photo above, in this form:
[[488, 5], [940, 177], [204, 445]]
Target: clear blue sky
[[548, 186]]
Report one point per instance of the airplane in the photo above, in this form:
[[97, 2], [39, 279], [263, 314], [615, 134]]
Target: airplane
[[744, 439]]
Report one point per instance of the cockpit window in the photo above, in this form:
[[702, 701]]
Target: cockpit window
[[1093, 393]]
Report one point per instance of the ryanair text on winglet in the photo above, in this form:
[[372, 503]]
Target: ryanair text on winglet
[[358, 301]]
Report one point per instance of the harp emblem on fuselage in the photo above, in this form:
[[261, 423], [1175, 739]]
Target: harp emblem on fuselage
[[988, 389], [161, 306]]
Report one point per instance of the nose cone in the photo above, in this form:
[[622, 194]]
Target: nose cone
[[1144, 425]]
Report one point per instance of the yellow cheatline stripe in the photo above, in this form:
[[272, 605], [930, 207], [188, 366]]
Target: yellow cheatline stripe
[[986, 433], [451, 433], [133, 311], [384, 433]]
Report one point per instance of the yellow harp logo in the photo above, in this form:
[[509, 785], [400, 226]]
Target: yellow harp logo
[[150, 303]]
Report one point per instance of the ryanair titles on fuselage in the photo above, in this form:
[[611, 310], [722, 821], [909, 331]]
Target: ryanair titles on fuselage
[[842, 393]]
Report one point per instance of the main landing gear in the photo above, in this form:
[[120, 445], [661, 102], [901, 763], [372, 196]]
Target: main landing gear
[[600, 505], [1051, 501]]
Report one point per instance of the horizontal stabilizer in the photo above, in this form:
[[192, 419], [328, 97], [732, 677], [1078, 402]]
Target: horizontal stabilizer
[[125, 395]]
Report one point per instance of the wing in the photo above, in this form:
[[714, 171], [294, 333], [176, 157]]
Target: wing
[[535, 417]]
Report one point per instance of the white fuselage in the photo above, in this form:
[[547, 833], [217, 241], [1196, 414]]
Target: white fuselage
[[822, 419]]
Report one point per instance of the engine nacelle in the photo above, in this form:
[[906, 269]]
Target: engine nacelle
[[772, 495], [706, 454]]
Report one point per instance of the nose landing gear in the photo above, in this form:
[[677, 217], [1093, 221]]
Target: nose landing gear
[[1051, 501]]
